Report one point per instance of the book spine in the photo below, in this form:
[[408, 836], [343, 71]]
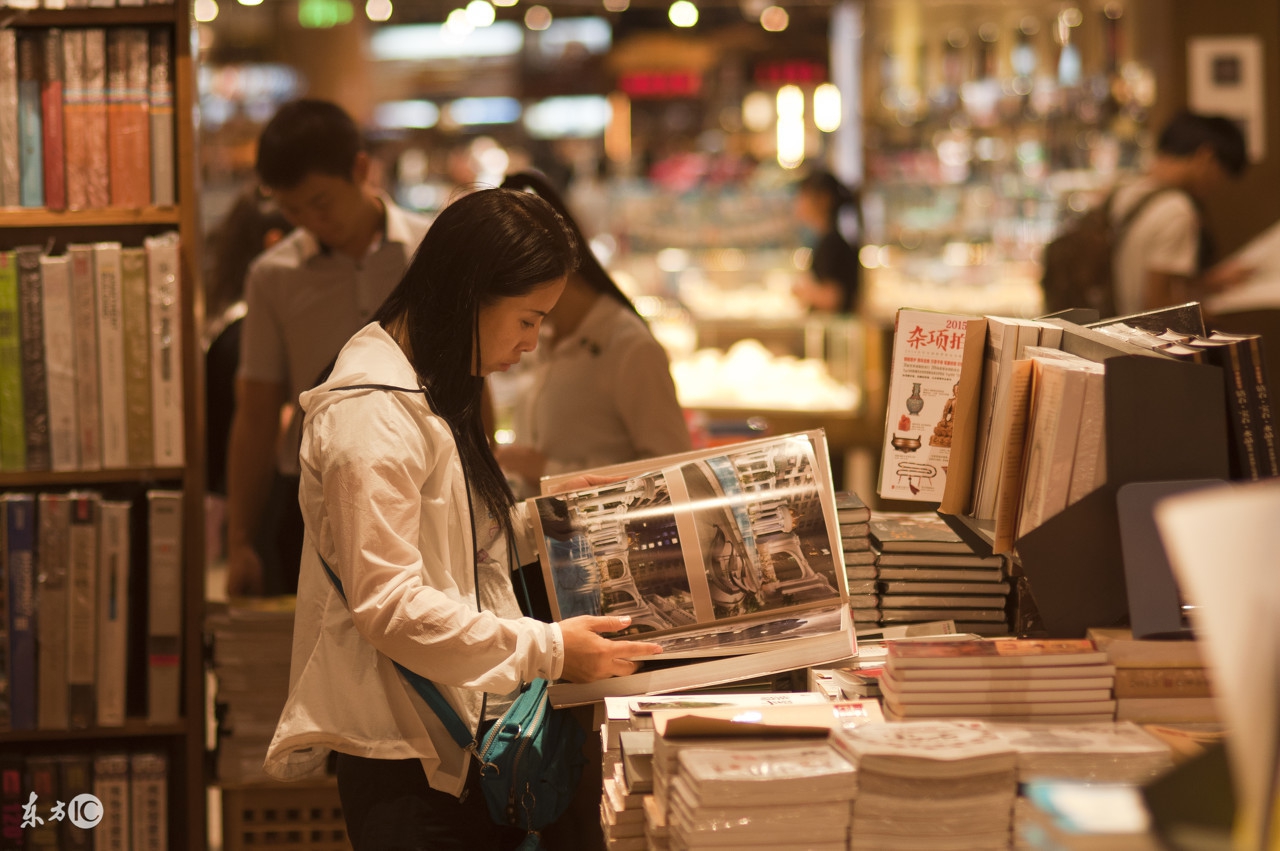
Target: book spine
[[111, 786], [82, 605], [75, 120], [106, 261], [165, 289], [129, 126], [76, 777], [1268, 457], [55, 174], [52, 562], [10, 174], [30, 132], [148, 783], [1245, 443], [164, 606], [60, 363], [13, 439], [42, 781], [88, 400], [163, 183], [12, 799], [97, 163], [113, 611], [1162, 682], [134, 307], [35, 395], [20, 551]]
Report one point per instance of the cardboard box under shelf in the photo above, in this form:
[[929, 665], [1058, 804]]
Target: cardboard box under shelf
[[302, 816]]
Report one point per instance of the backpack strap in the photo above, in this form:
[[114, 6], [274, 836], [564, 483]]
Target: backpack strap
[[1121, 228]]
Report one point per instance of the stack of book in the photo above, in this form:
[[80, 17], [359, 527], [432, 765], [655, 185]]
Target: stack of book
[[930, 785], [859, 559], [252, 644], [635, 712], [796, 796], [927, 572], [1103, 752], [622, 802], [1158, 682], [1063, 681]]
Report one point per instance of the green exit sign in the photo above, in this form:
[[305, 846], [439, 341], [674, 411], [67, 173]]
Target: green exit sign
[[322, 14]]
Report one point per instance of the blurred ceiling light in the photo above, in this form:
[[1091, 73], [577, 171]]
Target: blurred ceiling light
[[480, 13], [405, 114], [504, 2], [826, 108], [458, 24], [790, 126], [250, 2], [757, 111], [753, 9], [206, 10], [494, 110], [775, 19], [374, 10], [1072, 17], [683, 13], [579, 116], [537, 18], [416, 42], [617, 5]]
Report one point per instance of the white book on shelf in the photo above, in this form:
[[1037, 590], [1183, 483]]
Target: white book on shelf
[[148, 794], [113, 611], [84, 302], [111, 787], [53, 517], [165, 287], [106, 257], [60, 363], [9, 175], [164, 606], [82, 611]]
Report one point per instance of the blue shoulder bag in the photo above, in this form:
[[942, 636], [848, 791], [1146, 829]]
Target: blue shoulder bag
[[531, 759]]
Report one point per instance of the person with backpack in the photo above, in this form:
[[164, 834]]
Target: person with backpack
[[411, 536]]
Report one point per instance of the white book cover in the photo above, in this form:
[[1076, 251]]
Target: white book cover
[[1057, 398], [148, 798], [928, 352], [111, 787], [1089, 472], [60, 363], [164, 606], [927, 749], [52, 563], [115, 451], [84, 308], [113, 611], [9, 175], [82, 611], [166, 348], [812, 774]]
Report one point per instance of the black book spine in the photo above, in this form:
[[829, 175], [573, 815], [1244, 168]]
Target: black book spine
[[1264, 424], [35, 390]]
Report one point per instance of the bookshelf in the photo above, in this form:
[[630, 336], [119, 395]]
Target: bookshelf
[[183, 740]]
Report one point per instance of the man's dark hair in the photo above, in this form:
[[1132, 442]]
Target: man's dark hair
[[307, 137], [1188, 132]]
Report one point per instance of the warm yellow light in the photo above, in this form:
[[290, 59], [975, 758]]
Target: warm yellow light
[[683, 13], [617, 134], [826, 108], [537, 18], [617, 5], [480, 13], [377, 10], [250, 2], [757, 111], [775, 19], [206, 10], [790, 126], [504, 2], [457, 23]]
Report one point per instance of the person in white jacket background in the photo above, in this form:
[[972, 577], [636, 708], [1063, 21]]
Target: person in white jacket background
[[404, 501]]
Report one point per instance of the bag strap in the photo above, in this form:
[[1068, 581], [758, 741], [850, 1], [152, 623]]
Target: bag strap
[[1121, 228]]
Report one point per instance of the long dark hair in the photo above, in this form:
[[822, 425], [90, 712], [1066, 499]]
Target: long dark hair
[[589, 266], [485, 246]]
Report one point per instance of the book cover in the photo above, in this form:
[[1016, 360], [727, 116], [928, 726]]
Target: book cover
[[148, 797], [60, 363], [164, 606], [55, 176], [1089, 471], [111, 369], [928, 750], [35, 388], [10, 173], [97, 164], [128, 116], [82, 607], [928, 353], [997, 653], [1009, 489], [135, 308], [1055, 708], [1125, 651], [160, 97], [13, 438], [30, 126], [84, 302], [20, 554], [111, 786], [1268, 452], [851, 509], [41, 779], [75, 119], [1018, 334], [803, 774], [76, 777], [165, 293], [53, 563], [912, 532], [113, 611]]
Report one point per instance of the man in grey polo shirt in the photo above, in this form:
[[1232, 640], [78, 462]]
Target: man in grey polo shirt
[[306, 296]]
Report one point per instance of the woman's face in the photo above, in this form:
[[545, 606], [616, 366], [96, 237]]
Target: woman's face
[[509, 326]]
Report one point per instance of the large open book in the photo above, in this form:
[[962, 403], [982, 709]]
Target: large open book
[[726, 552]]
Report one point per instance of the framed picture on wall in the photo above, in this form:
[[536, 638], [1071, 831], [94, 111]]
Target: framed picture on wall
[[1225, 77]]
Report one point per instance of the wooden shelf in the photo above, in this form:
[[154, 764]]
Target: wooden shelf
[[115, 16], [72, 478], [11, 217], [133, 729]]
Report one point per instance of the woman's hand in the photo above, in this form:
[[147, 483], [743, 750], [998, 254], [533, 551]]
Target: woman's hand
[[588, 656]]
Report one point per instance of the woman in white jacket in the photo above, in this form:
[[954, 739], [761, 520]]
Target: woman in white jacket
[[404, 501]]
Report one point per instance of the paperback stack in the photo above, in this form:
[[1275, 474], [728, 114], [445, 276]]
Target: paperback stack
[[622, 804], [796, 796], [1158, 682], [927, 572], [1105, 752], [635, 713], [859, 558], [930, 785], [1063, 681], [251, 650]]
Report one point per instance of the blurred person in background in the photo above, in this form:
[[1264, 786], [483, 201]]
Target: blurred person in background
[[826, 210]]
